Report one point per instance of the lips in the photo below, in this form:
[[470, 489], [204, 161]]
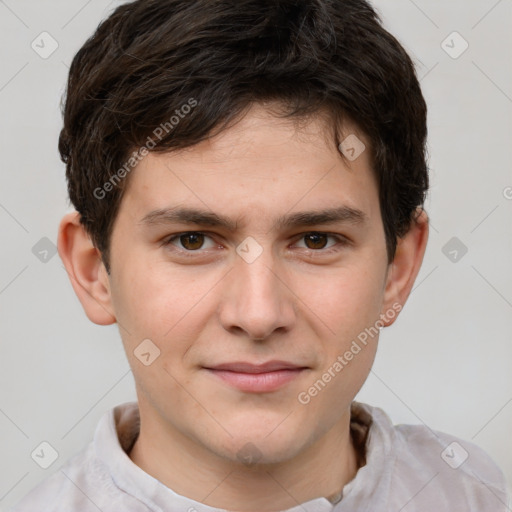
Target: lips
[[243, 367], [257, 378]]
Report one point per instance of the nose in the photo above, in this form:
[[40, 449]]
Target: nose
[[257, 300]]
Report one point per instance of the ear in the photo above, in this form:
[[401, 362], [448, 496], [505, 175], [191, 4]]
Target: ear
[[85, 269], [403, 270]]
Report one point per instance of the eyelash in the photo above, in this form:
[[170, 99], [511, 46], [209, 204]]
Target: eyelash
[[341, 242]]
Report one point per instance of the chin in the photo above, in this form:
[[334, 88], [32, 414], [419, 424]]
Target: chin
[[261, 445]]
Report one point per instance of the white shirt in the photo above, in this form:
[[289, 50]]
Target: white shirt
[[409, 468]]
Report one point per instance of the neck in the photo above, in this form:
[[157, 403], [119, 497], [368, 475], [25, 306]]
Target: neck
[[191, 470]]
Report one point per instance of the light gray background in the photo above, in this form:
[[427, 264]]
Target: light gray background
[[445, 363]]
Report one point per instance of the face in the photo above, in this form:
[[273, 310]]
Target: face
[[252, 262]]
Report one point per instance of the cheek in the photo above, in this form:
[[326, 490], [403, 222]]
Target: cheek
[[346, 301], [350, 306], [163, 307], [150, 293], [155, 303]]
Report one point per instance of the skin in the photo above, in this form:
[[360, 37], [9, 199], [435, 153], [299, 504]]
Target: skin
[[296, 302]]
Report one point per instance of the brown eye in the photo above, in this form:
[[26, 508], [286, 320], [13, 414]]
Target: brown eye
[[192, 241], [316, 240]]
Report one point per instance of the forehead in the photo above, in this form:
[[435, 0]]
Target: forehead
[[260, 167]]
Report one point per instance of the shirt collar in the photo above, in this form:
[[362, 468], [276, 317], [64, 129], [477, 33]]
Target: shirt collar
[[371, 428]]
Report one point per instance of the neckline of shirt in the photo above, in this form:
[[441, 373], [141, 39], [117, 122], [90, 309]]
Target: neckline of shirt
[[117, 430]]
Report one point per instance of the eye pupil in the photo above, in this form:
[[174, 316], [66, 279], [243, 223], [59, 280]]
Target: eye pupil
[[196, 240], [318, 240]]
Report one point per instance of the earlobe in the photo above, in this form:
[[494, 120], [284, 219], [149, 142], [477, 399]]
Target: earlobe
[[85, 270], [405, 267]]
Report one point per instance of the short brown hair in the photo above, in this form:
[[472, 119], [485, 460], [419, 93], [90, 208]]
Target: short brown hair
[[149, 58]]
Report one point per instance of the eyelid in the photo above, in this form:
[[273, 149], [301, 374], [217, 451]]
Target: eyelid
[[341, 241], [169, 239]]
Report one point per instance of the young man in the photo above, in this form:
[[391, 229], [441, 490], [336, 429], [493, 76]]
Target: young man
[[249, 179]]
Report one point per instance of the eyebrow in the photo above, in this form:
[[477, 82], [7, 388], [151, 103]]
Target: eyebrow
[[181, 215]]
